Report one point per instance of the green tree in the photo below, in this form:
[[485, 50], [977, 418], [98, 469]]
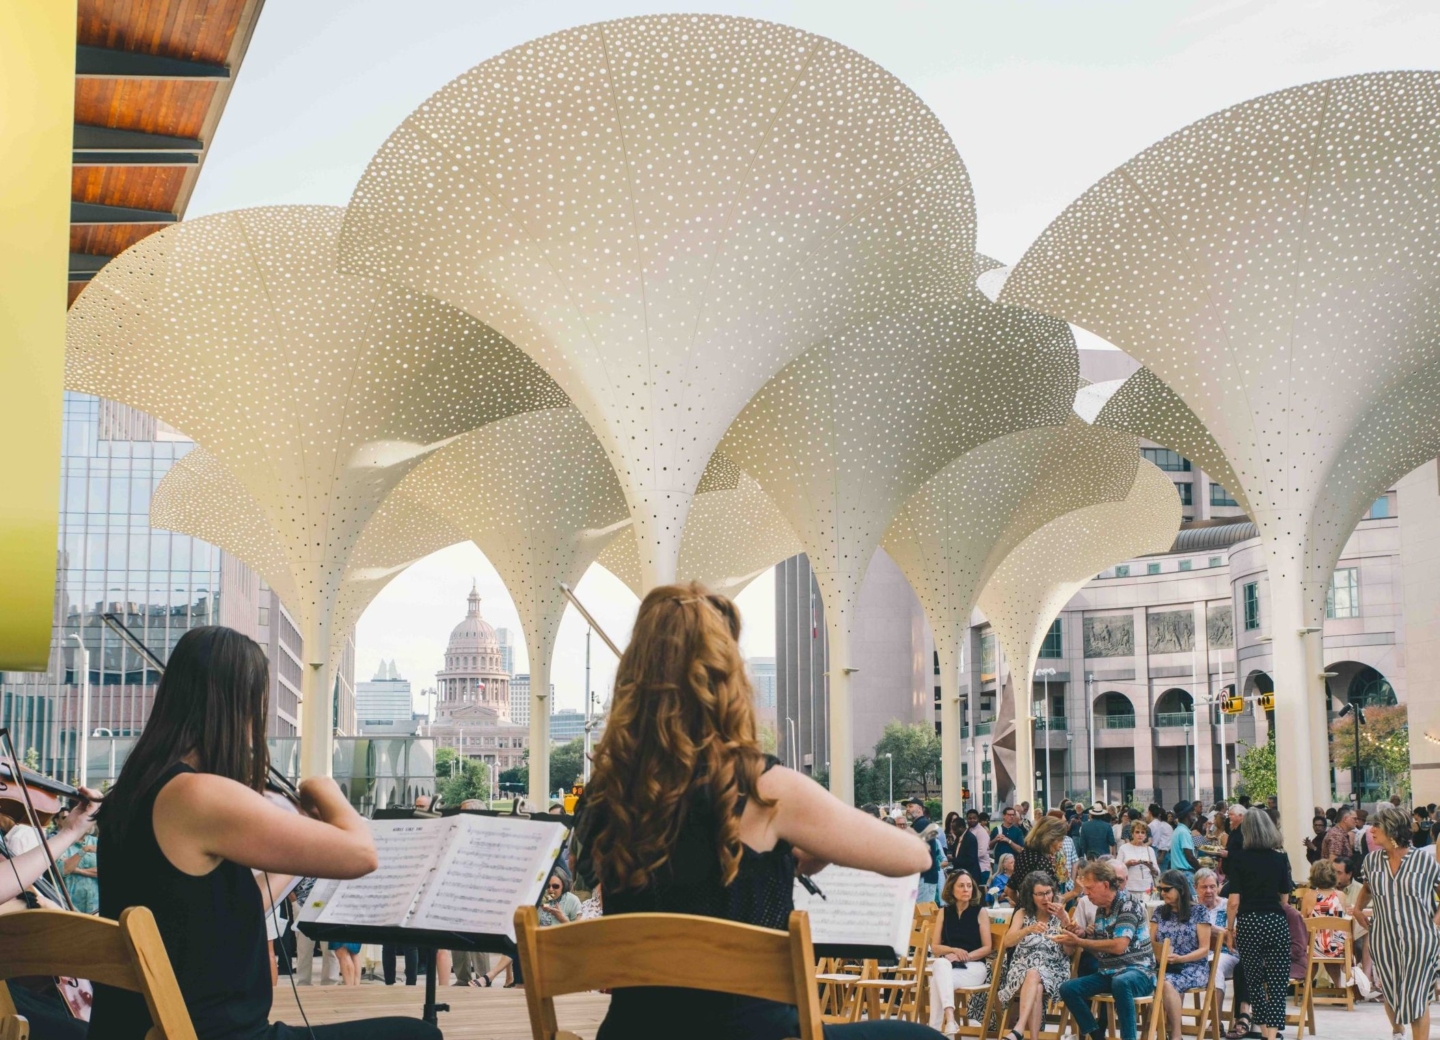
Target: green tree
[[1384, 745], [766, 734], [916, 751], [32, 758], [567, 765], [467, 779], [1257, 769], [516, 778], [446, 762]]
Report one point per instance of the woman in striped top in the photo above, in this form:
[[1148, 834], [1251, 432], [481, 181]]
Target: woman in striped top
[[1402, 881]]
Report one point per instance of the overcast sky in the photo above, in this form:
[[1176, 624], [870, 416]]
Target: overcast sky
[[1042, 99]]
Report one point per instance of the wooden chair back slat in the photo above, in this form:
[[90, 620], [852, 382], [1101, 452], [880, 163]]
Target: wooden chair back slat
[[127, 954], [666, 950], [59, 942]]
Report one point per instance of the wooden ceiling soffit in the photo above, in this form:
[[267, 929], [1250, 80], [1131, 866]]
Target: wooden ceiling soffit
[[151, 80]]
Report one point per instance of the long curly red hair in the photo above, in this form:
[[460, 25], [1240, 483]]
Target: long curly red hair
[[682, 722]]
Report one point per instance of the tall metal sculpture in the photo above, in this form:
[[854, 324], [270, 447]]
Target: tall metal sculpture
[[316, 390], [1277, 266], [1040, 575], [949, 537], [663, 211], [848, 431]]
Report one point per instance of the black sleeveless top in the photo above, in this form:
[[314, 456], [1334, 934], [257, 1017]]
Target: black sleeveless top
[[961, 929], [689, 883], [213, 927]]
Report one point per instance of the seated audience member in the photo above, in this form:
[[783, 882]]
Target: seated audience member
[[1124, 954], [1322, 899], [1186, 925], [1038, 966], [1207, 897], [559, 905], [959, 947], [681, 733], [1001, 880], [1349, 886]]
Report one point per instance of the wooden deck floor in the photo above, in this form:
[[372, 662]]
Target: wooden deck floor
[[475, 1014]]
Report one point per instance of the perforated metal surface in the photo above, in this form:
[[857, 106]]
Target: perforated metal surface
[[952, 533], [316, 391], [849, 430], [733, 535], [663, 211], [1040, 575], [1277, 265]]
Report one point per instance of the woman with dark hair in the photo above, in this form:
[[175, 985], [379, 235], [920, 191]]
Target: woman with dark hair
[[1042, 844], [559, 905], [1038, 966], [954, 831], [1402, 882], [685, 814], [959, 946], [1187, 925], [186, 832], [1257, 886]]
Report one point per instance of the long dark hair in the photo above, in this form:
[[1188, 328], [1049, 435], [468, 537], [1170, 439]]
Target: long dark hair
[[214, 700], [1181, 884]]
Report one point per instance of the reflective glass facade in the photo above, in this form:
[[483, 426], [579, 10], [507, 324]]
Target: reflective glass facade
[[157, 583]]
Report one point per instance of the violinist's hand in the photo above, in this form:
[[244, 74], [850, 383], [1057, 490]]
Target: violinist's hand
[[82, 817]]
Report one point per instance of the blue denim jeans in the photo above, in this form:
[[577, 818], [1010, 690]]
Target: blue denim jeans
[[1124, 986]]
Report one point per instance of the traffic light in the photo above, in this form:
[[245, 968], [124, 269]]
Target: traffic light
[[1267, 701], [1231, 704], [965, 793]]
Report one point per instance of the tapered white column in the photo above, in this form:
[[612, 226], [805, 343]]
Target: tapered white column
[[951, 726], [1024, 680], [1297, 684], [540, 731], [842, 721], [317, 709], [659, 517]]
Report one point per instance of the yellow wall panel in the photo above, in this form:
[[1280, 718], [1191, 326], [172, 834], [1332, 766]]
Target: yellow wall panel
[[37, 91]]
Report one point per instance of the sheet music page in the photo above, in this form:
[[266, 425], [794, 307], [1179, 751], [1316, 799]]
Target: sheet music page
[[407, 850], [320, 895], [860, 908], [490, 867]]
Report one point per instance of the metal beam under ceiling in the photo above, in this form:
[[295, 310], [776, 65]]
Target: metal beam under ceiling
[[107, 146], [103, 63], [82, 213]]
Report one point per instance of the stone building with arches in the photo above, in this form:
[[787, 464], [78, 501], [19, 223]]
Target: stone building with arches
[[472, 709]]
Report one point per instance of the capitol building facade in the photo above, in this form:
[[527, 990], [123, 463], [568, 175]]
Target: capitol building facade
[[472, 710]]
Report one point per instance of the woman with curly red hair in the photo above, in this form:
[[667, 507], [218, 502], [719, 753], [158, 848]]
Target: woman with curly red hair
[[685, 814]]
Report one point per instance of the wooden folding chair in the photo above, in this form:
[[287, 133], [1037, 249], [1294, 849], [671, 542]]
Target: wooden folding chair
[[1341, 992], [898, 996], [1206, 1009], [128, 954], [838, 980], [1150, 1003], [665, 950], [1303, 1014], [978, 1029]]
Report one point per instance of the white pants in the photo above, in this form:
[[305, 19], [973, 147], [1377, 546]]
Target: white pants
[[1228, 962], [305, 961], [945, 975]]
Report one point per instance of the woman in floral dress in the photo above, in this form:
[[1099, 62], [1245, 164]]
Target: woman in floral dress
[[1038, 965], [1187, 925]]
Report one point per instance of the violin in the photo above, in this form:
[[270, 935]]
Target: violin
[[39, 799]]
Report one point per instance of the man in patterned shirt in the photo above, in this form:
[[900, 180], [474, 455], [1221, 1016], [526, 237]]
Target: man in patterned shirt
[[1120, 942]]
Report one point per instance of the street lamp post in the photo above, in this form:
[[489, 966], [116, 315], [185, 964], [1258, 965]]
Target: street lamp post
[[1090, 729], [985, 749], [1351, 708], [83, 659], [1045, 673], [889, 758]]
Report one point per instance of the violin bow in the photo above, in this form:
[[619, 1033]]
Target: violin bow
[[34, 820]]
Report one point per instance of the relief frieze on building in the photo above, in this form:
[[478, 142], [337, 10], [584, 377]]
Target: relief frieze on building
[[1110, 635], [1220, 626], [1171, 631]]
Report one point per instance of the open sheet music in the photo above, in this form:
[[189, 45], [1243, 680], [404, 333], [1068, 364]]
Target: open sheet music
[[461, 873], [860, 909]]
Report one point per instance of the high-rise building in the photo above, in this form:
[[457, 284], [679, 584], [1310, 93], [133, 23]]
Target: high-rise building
[[383, 706], [520, 699], [506, 639], [569, 723], [762, 678], [156, 583]]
